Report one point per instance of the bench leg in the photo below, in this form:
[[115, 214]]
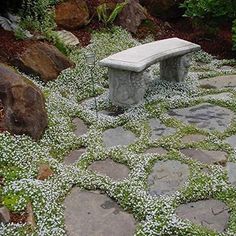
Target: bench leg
[[175, 69], [126, 88]]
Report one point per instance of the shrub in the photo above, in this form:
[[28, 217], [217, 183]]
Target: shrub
[[209, 12], [234, 35], [106, 16], [210, 8]]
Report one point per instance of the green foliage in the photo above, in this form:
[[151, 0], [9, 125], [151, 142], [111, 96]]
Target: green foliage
[[15, 201], [234, 35], [20, 34], [207, 13], [38, 15], [103, 12], [57, 42], [210, 8]]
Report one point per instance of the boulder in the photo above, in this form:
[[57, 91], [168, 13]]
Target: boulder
[[165, 9], [23, 103], [44, 172], [131, 16], [43, 60], [72, 14]]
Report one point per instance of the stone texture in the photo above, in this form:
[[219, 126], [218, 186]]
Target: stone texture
[[72, 14], [159, 151], [165, 9], [226, 81], [68, 38], [118, 136], [211, 214], [44, 171], [220, 96], [126, 88], [80, 127], [74, 156], [231, 169], [231, 141], [205, 116], [4, 215], [110, 168], [167, 177], [24, 104], [175, 68], [158, 129], [138, 58], [205, 156], [30, 218], [95, 214], [127, 78], [131, 16], [193, 138], [43, 60]]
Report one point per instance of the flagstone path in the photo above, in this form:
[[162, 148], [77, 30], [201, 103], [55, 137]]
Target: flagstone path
[[93, 213]]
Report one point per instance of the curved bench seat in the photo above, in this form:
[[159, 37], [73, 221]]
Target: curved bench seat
[[126, 68]]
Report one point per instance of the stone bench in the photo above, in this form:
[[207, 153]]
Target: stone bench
[[126, 69]]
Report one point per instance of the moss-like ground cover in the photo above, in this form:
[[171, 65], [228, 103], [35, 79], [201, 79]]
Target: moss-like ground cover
[[70, 96]]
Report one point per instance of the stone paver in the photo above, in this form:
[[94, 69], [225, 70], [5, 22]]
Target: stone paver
[[167, 177], [81, 128], [231, 169], [158, 129], [118, 136], [159, 151], [110, 168], [74, 156], [231, 141], [4, 215], [205, 116], [205, 156], [212, 214], [220, 96], [94, 214], [226, 81], [193, 138]]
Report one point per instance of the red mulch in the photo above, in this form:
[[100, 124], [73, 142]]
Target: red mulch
[[9, 46], [1, 120], [20, 218], [219, 45]]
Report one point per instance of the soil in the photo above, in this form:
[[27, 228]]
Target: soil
[[18, 218], [1, 122]]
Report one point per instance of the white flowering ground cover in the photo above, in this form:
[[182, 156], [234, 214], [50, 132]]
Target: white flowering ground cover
[[70, 96]]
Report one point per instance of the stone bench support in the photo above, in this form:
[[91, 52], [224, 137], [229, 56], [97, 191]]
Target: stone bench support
[[126, 69]]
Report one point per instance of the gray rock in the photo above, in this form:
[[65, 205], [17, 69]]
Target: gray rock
[[231, 141], [118, 136], [80, 127], [94, 214], [193, 138], [159, 151], [4, 215], [226, 68], [74, 156], [211, 214], [205, 116], [159, 129], [175, 69], [167, 177], [226, 81], [110, 168], [205, 156], [220, 96], [231, 169]]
